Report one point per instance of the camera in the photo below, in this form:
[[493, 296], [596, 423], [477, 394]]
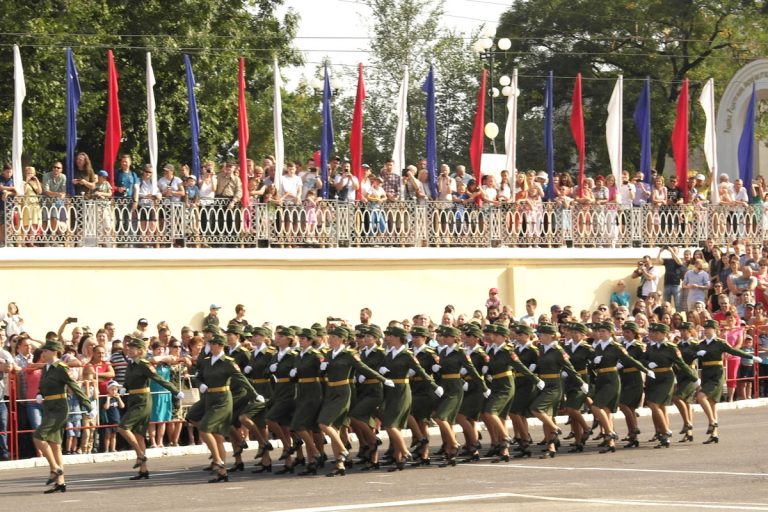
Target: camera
[[71, 320], [333, 319]]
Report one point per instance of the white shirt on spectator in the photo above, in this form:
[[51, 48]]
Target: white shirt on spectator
[[290, 185], [625, 193], [174, 184], [350, 181]]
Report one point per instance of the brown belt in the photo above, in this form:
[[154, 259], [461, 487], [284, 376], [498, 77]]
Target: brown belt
[[712, 363], [283, 380], [629, 370], [259, 381], [449, 376], [497, 376], [220, 389], [582, 372], [337, 383], [549, 376], [414, 379], [55, 397], [374, 381], [308, 380], [607, 370], [662, 370], [138, 391], [400, 381]]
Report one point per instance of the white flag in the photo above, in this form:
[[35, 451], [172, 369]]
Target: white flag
[[613, 128], [510, 133], [707, 102], [398, 151], [277, 121], [19, 93], [151, 123]]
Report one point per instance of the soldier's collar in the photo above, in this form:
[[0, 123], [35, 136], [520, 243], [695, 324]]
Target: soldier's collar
[[396, 351]]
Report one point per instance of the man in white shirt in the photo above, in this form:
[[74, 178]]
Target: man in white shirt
[[461, 174], [170, 186], [346, 184], [626, 190]]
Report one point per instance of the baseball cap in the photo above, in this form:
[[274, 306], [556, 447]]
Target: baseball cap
[[143, 321], [215, 306], [700, 177], [493, 290], [103, 173]]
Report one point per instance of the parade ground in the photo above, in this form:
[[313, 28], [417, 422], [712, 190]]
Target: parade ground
[[731, 475]]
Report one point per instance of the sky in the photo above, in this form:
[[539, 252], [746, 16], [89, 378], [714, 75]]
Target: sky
[[332, 28]]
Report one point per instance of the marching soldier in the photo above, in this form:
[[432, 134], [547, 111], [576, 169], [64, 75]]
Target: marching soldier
[[524, 387], [631, 396], [423, 395], [580, 354], [279, 415], [685, 389], [254, 416], [472, 404]]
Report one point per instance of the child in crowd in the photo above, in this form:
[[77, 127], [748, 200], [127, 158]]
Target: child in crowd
[[191, 190], [310, 214], [746, 371], [110, 415], [493, 299], [91, 389], [73, 430]]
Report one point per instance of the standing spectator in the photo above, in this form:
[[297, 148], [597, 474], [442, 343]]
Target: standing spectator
[[13, 321], [461, 175], [620, 296], [648, 275], [642, 190], [290, 185], [119, 361], [7, 366], [7, 190], [170, 186], [146, 203], [696, 282], [346, 184], [674, 271], [55, 189], [32, 373], [239, 317], [161, 399], [391, 182], [529, 318], [110, 415], [493, 299], [84, 179], [734, 336], [230, 190], [212, 318]]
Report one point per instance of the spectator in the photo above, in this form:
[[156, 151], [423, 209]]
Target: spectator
[[7, 190], [391, 182], [674, 271], [290, 186], [110, 415], [493, 299], [14, 324], [212, 318], [31, 216], [161, 399], [620, 296], [733, 333], [170, 186], [311, 181], [239, 317], [55, 189], [31, 375], [7, 365], [461, 175], [84, 179], [642, 190], [119, 360], [649, 277], [529, 318], [697, 282]]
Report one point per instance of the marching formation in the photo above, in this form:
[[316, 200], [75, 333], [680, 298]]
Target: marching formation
[[310, 386]]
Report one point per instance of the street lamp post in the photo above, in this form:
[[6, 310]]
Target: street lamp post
[[485, 50]]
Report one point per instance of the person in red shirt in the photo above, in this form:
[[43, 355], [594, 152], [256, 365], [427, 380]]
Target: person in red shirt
[[725, 306]]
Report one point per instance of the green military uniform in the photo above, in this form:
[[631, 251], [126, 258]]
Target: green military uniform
[[454, 365], [422, 391], [524, 384], [472, 404], [53, 384], [607, 383], [261, 380], [284, 394], [338, 394], [580, 355], [309, 389], [711, 364], [370, 392], [138, 401], [502, 367], [552, 360], [397, 400], [631, 379], [667, 360], [686, 386]]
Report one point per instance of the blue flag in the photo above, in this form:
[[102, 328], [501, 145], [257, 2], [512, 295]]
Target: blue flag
[[643, 124], [429, 88], [747, 146], [549, 144], [73, 100], [326, 136], [194, 120]]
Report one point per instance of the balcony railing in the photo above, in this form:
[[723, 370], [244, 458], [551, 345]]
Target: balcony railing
[[79, 222]]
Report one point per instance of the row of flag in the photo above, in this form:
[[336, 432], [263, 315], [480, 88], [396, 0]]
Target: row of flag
[[614, 128]]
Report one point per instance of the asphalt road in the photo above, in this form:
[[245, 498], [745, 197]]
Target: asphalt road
[[732, 475]]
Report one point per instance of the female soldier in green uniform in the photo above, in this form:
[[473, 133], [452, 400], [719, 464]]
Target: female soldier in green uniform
[[255, 415], [215, 375], [472, 404], [423, 395], [53, 395], [524, 387], [631, 396], [580, 355], [138, 402], [339, 367], [710, 353], [284, 397], [397, 400], [685, 389], [663, 357], [607, 384], [309, 395], [500, 371], [454, 365], [552, 361]]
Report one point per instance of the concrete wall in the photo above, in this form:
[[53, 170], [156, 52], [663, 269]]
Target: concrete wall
[[295, 286]]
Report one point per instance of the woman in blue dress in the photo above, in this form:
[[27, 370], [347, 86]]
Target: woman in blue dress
[[162, 404]]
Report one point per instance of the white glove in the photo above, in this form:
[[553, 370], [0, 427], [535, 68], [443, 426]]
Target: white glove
[[39, 399], [247, 370], [123, 391], [484, 370], [619, 366], [389, 383], [93, 413], [361, 378], [698, 382], [411, 372], [487, 393], [701, 353], [273, 367], [465, 386], [757, 360], [293, 372], [323, 366], [203, 388], [598, 359], [260, 399], [651, 375], [532, 367], [383, 370], [564, 375], [652, 365], [585, 388], [462, 371], [435, 368], [439, 391], [540, 384], [180, 395]]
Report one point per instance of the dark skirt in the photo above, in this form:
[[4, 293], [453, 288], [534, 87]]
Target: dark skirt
[[55, 414], [137, 411]]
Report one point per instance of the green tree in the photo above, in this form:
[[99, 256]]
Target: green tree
[[666, 40], [214, 32]]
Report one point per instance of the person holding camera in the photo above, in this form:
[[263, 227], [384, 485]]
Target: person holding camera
[[346, 184], [674, 272], [648, 275]]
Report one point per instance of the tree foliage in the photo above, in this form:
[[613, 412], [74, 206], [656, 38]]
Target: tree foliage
[[214, 32], [666, 40]]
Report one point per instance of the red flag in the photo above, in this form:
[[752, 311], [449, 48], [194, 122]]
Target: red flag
[[476, 146], [356, 137], [577, 129], [114, 131], [680, 140], [242, 118]]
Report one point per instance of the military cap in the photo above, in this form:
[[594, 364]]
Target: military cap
[[262, 331], [418, 330], [137, 343], [502, 329], [630, 326], [396, 331], [578, 327], [53, 346], [472, 330], [523, 329], [546, 329], [285, 331], [218, 339], [348, 333], [686, 326], [234, 329], [213, 329], [608, 326], [339, 331], [375, 331], [712, 324], [319, 329], [489, 328], [451, 331], [361, 330], [248, 331], [659, 327], [295, 329], [310, 334]]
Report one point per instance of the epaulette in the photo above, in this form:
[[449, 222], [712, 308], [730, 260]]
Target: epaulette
[[61, 364], [428, 350], [142, 360], [228, 358], [270, 350]]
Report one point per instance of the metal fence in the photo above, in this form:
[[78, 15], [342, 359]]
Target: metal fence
[[79, 222]]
